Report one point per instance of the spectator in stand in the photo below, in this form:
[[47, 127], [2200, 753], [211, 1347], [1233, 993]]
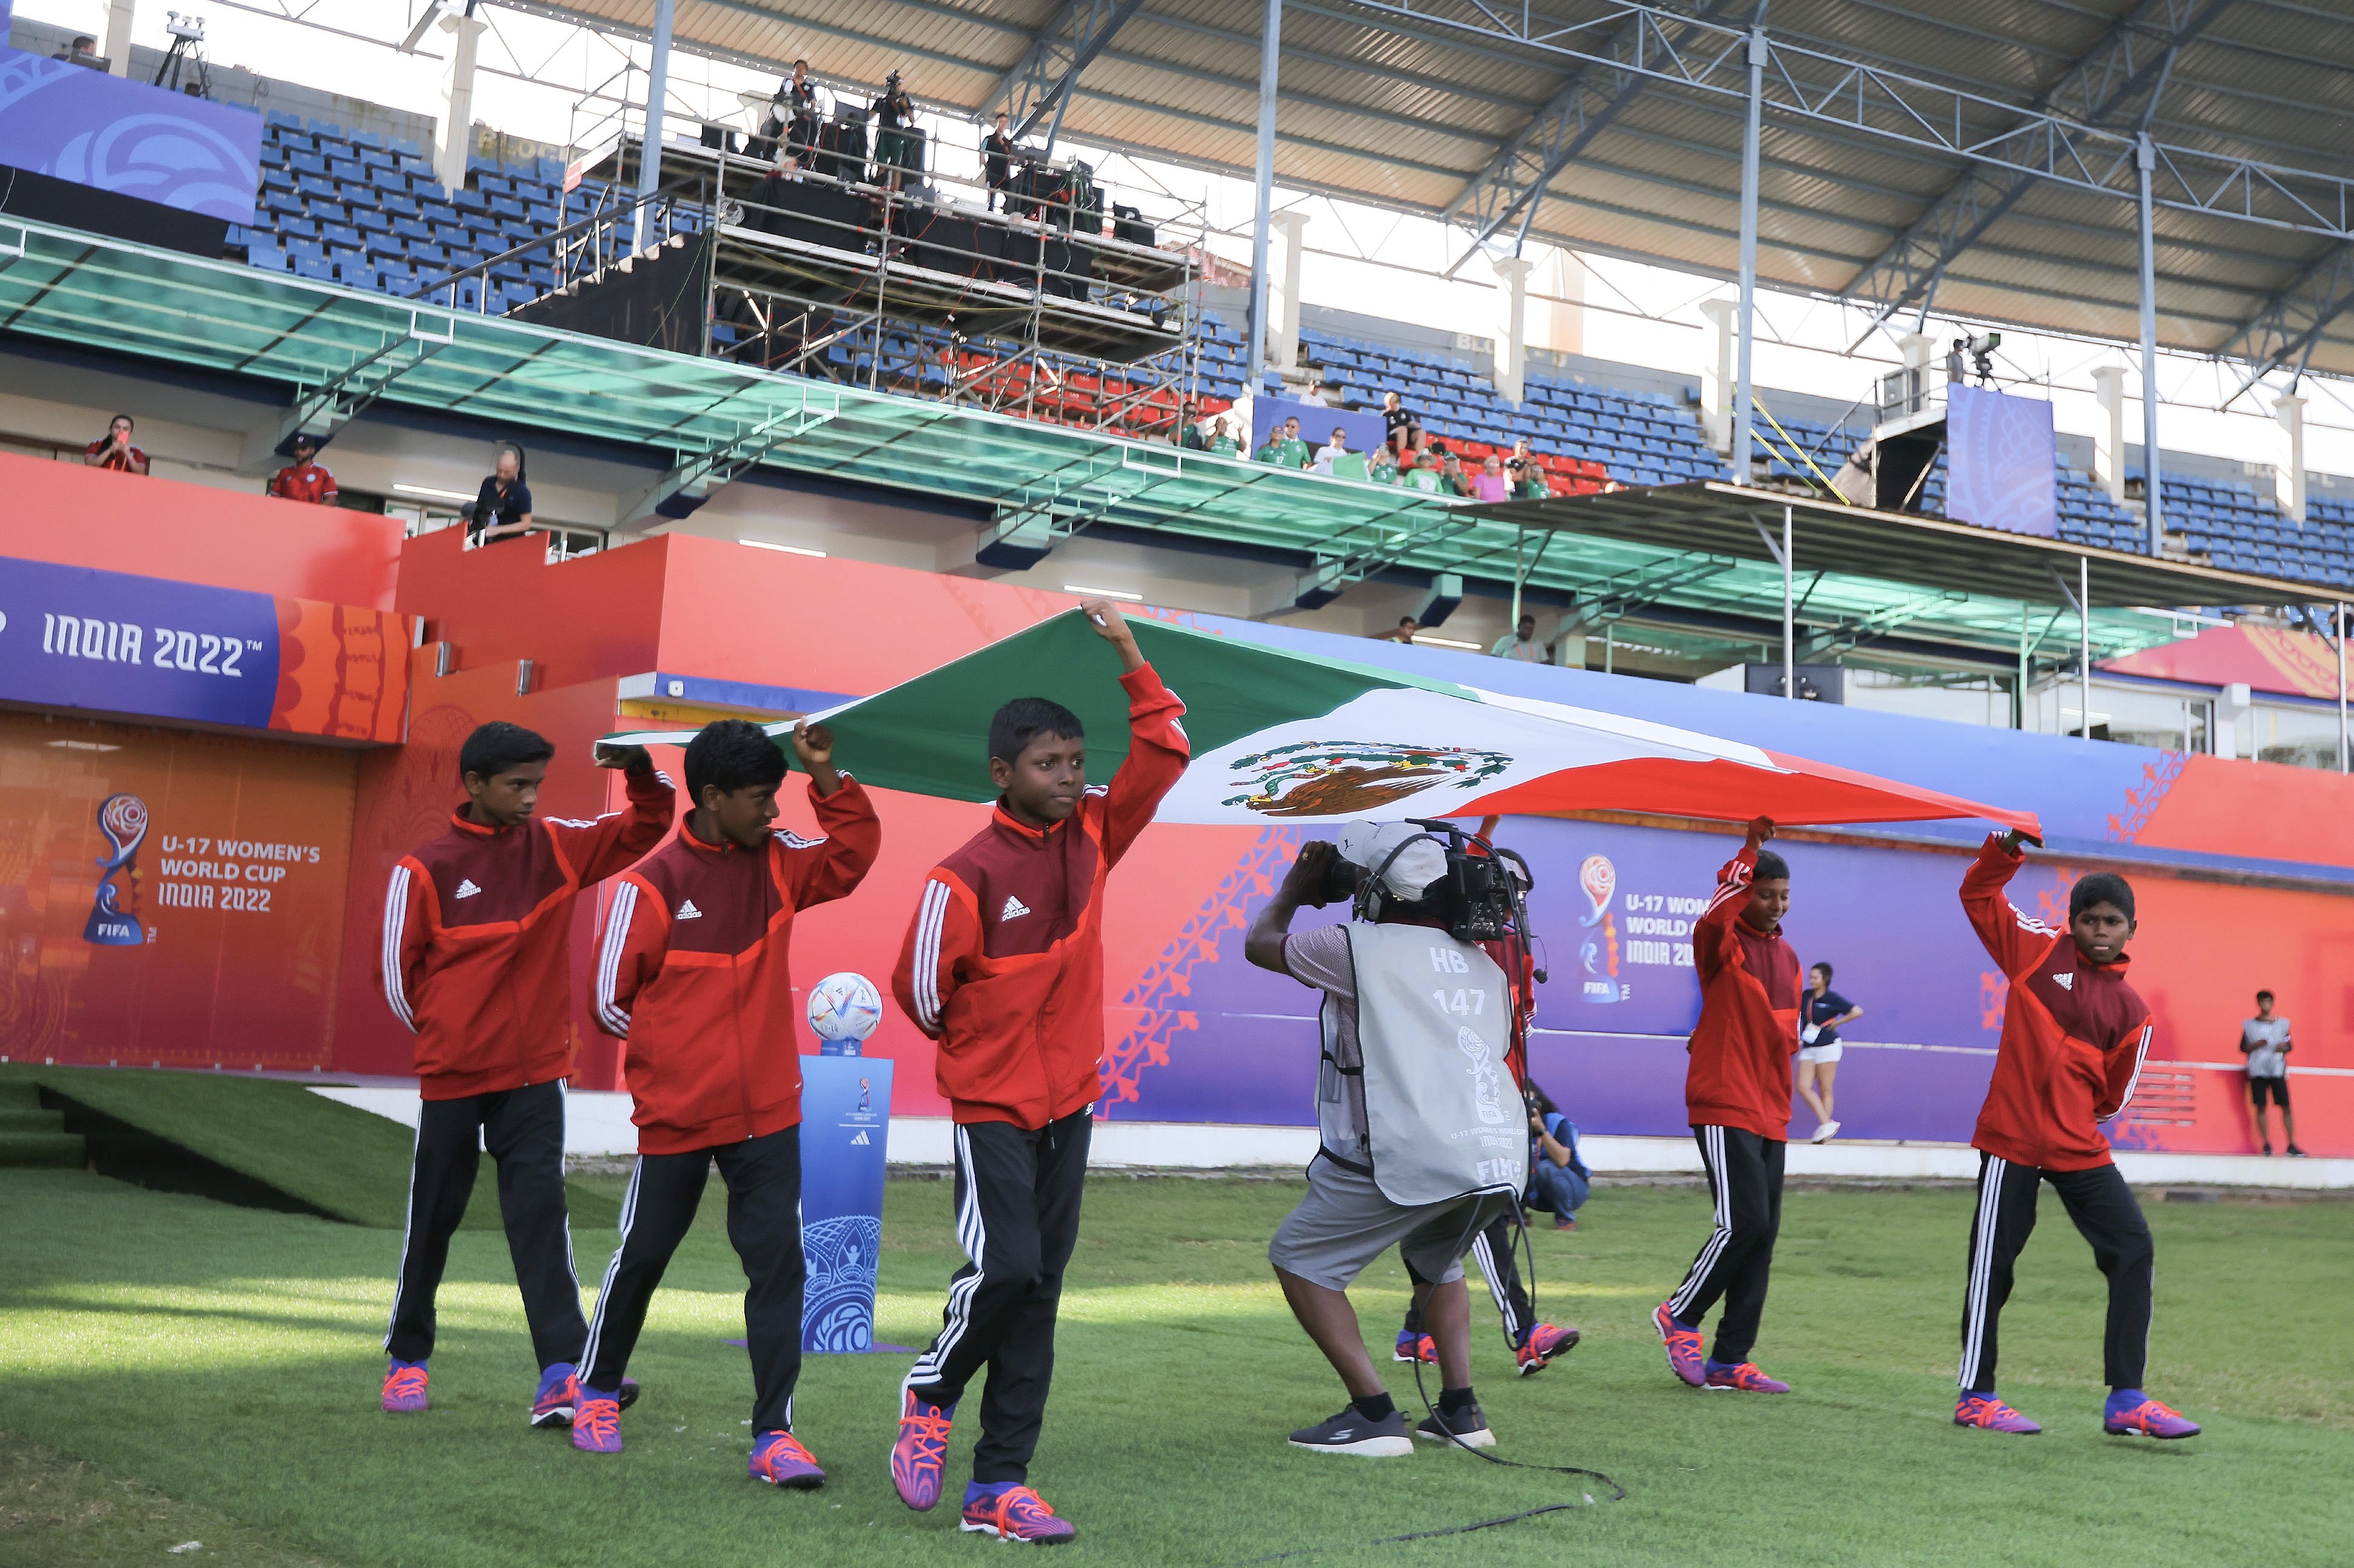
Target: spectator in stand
[[1528, 476], [1189, 430], [1295, 450], [1272, 452], [1399, 424], [1424, 475], [1402, 632], [2265, 1042], [82, 51], [1452, 480], [1221, 438], [1383, 468], [1322, 389], [1521, 646], [893, 115], [303, 478], [797, 102], [114, 450], [1490, 483], [502, 510], [997, 163], [1338, 447]]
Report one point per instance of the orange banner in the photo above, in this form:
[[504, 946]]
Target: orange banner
[[169, 898]]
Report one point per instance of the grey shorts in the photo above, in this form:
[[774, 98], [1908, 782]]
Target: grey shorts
[[1345, 1222]]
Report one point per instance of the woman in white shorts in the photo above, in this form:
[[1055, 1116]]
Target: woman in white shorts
[[1820, 1013]]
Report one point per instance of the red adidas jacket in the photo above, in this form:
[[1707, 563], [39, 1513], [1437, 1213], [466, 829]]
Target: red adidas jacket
[[692, 972], [475, 931], [1748, 1028], [1003, 963], [2073, 1032]]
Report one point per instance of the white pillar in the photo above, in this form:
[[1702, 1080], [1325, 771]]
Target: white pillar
[[657, 102], [116, 45], [1512, 339], [2288, 461], [457, 127], [1561, 319], [1716, 372], [1283, 349], [2109, 438], [1270, 64]]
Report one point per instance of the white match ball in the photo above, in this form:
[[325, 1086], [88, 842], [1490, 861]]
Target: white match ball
[[844, 1006]]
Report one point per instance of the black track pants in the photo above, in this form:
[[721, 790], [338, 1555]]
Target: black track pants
[[1017, 1213], [1744, 1181], [524, 1130], [764, 1223], [1497, 1265], [2105, 1212]]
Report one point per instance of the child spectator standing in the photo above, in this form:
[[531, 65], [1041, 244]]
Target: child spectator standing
[[693, 973], [304, 478], [476, 960], [2073, 1036], [2264, 1041], [1737, 1093], [1003, 967]]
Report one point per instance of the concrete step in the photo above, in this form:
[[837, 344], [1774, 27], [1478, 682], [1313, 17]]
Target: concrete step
[[29, 1119], [24, 1148]]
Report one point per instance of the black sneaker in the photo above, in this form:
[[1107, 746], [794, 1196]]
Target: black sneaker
[[2294, 1152], [1350, 1432], [1466, 1426]]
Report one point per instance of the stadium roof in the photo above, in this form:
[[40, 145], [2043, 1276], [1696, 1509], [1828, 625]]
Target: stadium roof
[[1983, 155]]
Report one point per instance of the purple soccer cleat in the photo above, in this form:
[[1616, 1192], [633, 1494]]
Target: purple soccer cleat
[[1745, 1376], [1414, 1347], [596, 1423], [779, 1459], [559, 1390], [1988, 1413], [1545, 1342], [2130, 1410], [1683, 1346], [1012, 1512], [922, 1446], [404, 1388]]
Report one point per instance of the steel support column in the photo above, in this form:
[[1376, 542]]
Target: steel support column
[[1742, 393], [2144, 164], [1789, 618], [657, 95], [1270, 61], [2084, 641]]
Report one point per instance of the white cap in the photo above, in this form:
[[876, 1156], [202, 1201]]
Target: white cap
[[1419, 865]]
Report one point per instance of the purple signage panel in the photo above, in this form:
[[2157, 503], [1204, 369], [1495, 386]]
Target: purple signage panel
[[74, 124], [74, 638], [1613, 909], [1317, 423], [1999, 463]]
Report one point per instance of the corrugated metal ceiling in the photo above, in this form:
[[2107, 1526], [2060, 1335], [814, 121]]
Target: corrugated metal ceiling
[[1405, 113]]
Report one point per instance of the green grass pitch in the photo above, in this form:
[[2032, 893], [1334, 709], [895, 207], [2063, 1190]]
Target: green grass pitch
[[175, 1370]]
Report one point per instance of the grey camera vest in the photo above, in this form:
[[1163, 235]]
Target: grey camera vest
[[1443, 1118]]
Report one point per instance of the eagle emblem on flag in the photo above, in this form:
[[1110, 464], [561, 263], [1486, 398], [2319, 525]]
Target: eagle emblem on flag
[[1343, 778]]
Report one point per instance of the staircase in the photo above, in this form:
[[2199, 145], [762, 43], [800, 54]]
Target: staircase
[[30, 1135]]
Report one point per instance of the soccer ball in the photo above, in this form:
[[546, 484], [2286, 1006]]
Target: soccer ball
[[844, 1006]]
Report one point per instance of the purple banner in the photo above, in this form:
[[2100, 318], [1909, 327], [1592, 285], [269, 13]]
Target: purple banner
[[1999, 464], [1316, 424], [74, 638], [74, 124], [1613, 909]]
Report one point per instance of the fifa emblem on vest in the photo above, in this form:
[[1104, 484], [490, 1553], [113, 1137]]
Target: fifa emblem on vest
[[1483, 1074], [124, 819]]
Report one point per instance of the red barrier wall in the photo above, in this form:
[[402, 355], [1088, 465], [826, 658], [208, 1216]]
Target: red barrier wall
[[76, 516]]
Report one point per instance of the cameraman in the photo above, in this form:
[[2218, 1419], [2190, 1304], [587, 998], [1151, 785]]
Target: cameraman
[[1404, 1122], [894, 114]]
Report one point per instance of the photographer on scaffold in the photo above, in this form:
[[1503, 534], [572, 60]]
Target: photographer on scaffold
[[1417, 1101]]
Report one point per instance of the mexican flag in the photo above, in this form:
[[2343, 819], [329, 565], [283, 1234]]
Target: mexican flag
[[1283, 736]]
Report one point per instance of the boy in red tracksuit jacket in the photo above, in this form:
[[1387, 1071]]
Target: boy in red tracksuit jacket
[[1004, 966], [692, 972], [2073, 1036], [476, 960], [1737, 1093]]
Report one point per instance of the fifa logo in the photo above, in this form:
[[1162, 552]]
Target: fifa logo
[[124, 819], [1597, 956], [1484, 1082], [866, 1095]]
